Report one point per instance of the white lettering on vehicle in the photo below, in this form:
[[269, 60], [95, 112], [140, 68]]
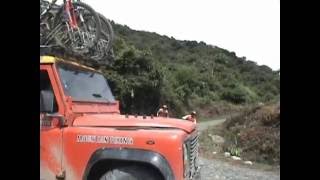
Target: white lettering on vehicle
[[104, 139]]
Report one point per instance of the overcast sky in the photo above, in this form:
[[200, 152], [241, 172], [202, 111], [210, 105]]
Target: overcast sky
[[251, 28]]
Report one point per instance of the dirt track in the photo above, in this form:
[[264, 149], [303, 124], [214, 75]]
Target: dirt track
[[204, 125]]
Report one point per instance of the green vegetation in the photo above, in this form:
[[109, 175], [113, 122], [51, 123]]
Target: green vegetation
[[256, 132], [253, 134], [184, 75]]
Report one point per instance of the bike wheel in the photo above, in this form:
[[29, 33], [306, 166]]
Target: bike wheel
[[107, 28], [46, 23], [99, 52], [85, 36]]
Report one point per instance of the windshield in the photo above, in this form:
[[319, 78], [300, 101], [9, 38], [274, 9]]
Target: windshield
[[84, 85]]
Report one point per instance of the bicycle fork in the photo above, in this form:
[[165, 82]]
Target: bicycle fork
[[69, 9]]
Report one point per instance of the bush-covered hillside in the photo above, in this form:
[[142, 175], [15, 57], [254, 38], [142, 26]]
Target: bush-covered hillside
[[253, 134], [151, 70]]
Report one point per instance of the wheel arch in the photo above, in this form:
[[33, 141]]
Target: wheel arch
[[110, 157]]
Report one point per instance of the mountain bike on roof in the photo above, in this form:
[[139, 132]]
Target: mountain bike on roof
[[74, 25], [102, 51]]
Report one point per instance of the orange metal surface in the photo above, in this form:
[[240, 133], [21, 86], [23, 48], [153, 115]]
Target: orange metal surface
[[115, 120], [51, 136], [88, 107], [60, 150], [167, 143]]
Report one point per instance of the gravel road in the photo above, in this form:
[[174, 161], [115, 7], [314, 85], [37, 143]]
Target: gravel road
[[212, 169]]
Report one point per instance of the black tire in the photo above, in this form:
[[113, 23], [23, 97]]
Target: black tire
[[97, 28], [107, 28], [46, 32], [131, 173], [100, 52]]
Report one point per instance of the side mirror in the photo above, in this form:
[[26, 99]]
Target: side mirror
[[46, 101], [57, 120]]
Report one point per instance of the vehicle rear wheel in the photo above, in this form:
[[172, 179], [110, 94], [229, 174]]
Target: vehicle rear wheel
[[131, 173]]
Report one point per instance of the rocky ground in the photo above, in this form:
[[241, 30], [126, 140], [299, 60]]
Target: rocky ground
[[216, 169]]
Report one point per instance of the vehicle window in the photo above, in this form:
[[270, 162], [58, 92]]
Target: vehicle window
[[84, 85], [45, 84]]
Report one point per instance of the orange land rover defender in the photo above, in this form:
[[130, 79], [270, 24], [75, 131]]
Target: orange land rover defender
[[84, 136]]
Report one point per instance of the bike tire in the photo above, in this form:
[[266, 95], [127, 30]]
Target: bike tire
[[100, 52], [46, 23], [107, 27], [96, 19]]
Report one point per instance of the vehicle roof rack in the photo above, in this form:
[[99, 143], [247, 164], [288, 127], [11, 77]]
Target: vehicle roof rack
[[59, 52]]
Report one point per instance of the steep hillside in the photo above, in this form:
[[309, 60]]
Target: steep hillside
[[151, 69]]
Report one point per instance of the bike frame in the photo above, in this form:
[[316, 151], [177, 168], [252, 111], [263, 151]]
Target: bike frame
[[69, 9], [71, 20]]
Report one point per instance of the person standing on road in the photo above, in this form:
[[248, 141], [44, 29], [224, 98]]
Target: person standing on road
[[163, 111], [191, 117]]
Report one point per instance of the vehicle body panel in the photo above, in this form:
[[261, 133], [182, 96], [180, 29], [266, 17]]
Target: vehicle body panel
[[66, 149]]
